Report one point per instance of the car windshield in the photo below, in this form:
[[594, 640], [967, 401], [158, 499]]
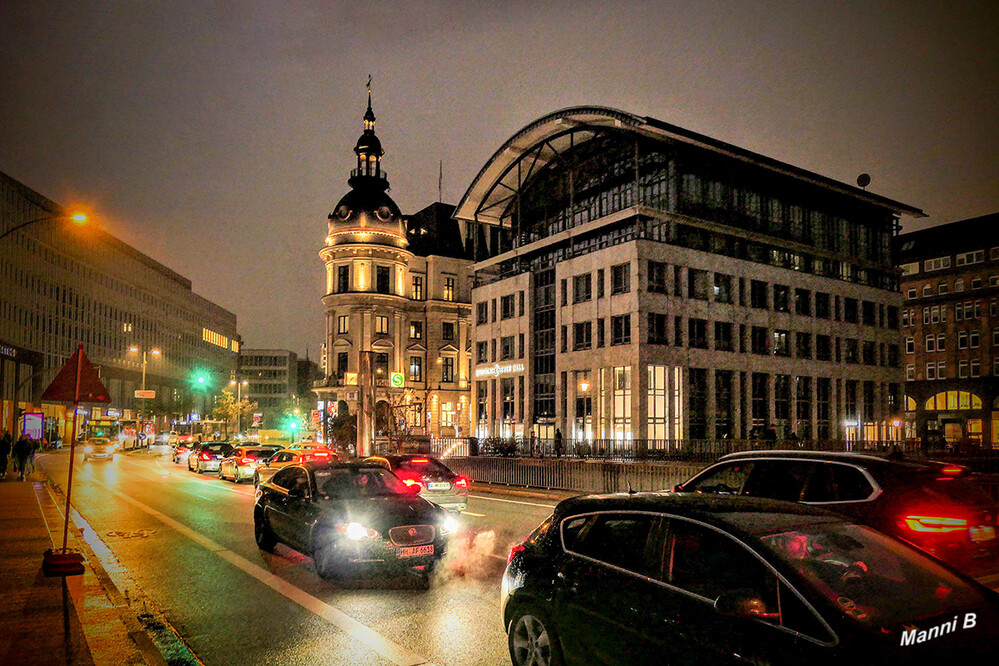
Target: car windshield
[[868, 576], [350, 483]]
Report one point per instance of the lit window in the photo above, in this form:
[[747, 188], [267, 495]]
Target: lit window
[[449, 289], [343, 324], [381, 325]]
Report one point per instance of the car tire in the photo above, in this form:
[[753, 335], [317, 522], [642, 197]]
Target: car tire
[[427, 575], [263, 534], [532, 639], [221, 478], [256, 479], [328, 563]]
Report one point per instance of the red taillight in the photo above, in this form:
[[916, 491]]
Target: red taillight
[[461, 482], [420, 460], [938, 524], [206, 456], [246, 461], [954, 470], [412, 483], [519, 548], [321, 454]]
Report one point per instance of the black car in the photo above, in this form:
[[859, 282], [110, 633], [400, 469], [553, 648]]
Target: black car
[[666, 578], [434, 480], [349, 516], [936, 506]]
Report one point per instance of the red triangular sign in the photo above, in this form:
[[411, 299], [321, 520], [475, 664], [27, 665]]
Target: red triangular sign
[[63, 388]]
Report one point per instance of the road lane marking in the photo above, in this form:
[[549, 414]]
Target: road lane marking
[[469, 513], [384, 646], [220, 486], [497, 499]]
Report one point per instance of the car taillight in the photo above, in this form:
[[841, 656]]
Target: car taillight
[[519, 548], [321, 454], [461, 482], [954, 470], [938, 524], [418, 461], [206, 456], [246, 461], [412, 483]]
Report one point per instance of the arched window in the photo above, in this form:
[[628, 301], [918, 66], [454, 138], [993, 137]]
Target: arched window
[[952, 400], [910, 404]]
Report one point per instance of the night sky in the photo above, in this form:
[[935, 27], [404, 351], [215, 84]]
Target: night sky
[[216, 136]]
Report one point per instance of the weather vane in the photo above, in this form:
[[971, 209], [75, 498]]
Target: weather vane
[[369, 83]]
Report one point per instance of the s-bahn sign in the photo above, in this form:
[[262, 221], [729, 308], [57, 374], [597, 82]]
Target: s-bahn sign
[[497, 369]]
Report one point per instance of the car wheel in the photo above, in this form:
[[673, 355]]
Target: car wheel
[[221, 477], [256, 479], [262, 534], [532, 640], [427, 575]]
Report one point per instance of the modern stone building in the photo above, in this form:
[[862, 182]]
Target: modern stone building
[[397, 306], [62, 285], [950, 320], [639, 281], [272, 381]]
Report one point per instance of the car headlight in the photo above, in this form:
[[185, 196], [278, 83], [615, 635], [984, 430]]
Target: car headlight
[[449, 525], [356, 531]]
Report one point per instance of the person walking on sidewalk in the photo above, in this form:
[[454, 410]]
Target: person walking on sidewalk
[[22, 448], [35, 445], [5, 442]]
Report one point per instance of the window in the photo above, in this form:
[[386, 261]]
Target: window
[[481, 352], [342, 324], [600, 333], [565, 338], [942, 288], [447, 369], [867, 313], [508, 307], [415, 369], [416, 330], [565, 292], [781, 346], [620, 279], [850, 310], [892, 312], [658, 329], [758, 295], [619, 539], [341, 364], [941, 344], [621, 330], [941, 370], [974, 257], [697, 333], [782, 298], [803, 302], [723, 288], [822, 305], [482, 313], [973, 340], [582, 288], [867, 353], [910, 345], [582, 335], [823, 347], [759, 340], [723, 336], [417, 287], [936, 264], [449, 289], [447, 330], [381, 364], [910, 372], [697, 284], [852, 352], [520, 345], [382, 279], [962, 369], [600, 283], [976, 368], [506, 348], [520, 300], [381, 325], [803, 345], [343, 279], [657, 277]]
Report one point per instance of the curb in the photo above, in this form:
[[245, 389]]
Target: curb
[[158, 643]]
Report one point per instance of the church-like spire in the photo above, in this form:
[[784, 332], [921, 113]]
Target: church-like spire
[[369, 148]]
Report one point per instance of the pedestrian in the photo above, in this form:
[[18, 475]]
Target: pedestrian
[[558, 443], [21, 450], [5, 442], [35, 445]]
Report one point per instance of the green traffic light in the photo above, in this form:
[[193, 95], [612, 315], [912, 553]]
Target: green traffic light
[[201, 380]]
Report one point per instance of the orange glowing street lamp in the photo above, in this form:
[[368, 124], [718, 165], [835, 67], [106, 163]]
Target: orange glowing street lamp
[[76, 218]]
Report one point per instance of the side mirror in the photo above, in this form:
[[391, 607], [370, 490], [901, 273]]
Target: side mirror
[[743, 603], [678, 488]]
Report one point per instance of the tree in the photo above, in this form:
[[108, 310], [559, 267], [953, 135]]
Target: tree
[[343, 430], [229, 411]]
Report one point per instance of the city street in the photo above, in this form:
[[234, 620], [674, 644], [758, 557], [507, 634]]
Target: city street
[[184, 544]]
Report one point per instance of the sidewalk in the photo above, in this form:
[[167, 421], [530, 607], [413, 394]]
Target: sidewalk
[[54, 620]]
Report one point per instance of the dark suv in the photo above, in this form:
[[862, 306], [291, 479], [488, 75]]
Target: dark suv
[[669, 578], [938, 507]]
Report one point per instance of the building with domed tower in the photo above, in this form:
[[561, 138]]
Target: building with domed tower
[[397, 303]]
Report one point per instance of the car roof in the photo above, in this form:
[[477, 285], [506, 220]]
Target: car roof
[[314, 465], [403, 457], [745, 515], [864, 459]]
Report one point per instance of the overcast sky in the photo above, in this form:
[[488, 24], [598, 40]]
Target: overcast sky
[[216, 136]]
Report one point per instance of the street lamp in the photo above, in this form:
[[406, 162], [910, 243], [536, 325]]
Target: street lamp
[[239, 401], [78, 218], [154, 352]]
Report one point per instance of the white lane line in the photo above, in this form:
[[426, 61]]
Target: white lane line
[[386, 647], [219, 486], [469, 513], [497, 499]]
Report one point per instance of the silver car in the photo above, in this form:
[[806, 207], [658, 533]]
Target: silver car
[[99, 448], [207, 457], [242, 463], [437, 483]]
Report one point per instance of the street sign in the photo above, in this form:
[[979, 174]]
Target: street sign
[[317, 418], [145, 394], [350, 378], [77, 382], [398, 379]]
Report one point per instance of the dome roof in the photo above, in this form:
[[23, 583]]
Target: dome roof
[[369, 144]]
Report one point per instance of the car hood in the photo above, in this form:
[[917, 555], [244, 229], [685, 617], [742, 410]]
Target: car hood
[[382, 513]]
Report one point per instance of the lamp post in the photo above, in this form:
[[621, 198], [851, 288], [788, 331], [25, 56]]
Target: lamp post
[[78, 218], [154, 352], [239, 401]]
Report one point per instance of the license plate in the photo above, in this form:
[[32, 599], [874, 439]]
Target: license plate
[[438, 485], [984, 533], [415, 551]]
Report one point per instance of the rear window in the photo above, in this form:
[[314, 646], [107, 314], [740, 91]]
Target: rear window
[[258, 454], [219, 448], [424, 466]]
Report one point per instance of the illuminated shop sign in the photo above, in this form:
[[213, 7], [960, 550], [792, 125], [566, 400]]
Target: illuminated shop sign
[[499, 369]]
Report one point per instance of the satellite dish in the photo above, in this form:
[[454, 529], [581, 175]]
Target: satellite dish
[[863, 180]]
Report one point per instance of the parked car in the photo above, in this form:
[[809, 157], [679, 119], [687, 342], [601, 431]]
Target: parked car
[[351, 516], [937, 507], [207, 456], [242, 463], [266, 469], [435, 481], [99, 448], [644, 578]]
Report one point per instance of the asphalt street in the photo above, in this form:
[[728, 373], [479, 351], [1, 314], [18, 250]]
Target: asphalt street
[[182, 544]]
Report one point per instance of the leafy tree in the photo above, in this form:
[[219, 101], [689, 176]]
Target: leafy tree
[[229, 411]]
